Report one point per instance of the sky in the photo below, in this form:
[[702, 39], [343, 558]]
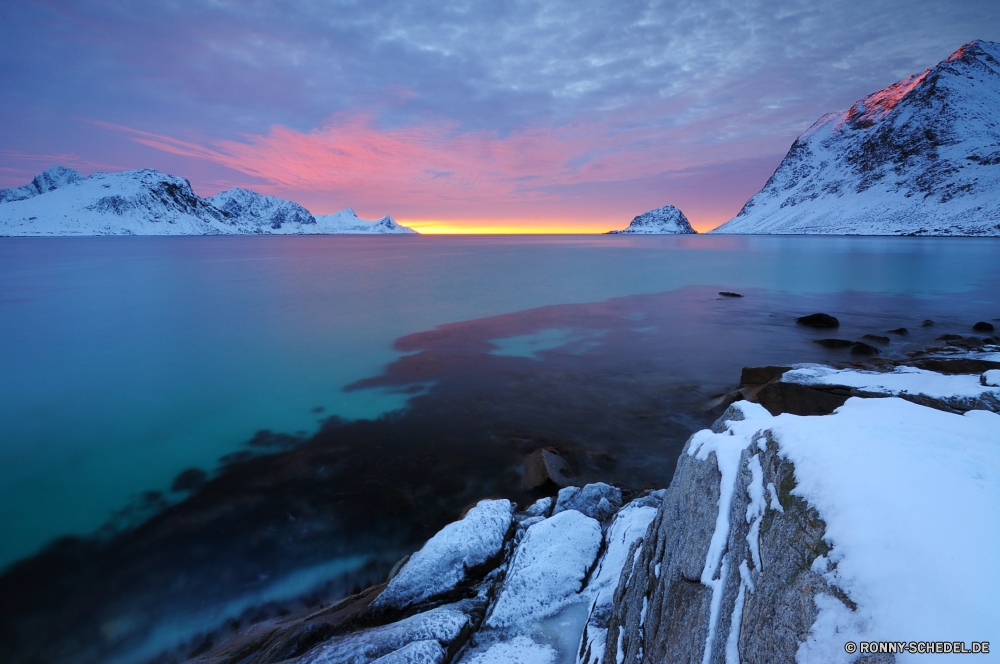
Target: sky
[[455, 116]]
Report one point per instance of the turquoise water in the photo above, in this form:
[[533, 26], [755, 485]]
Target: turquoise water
[[127, 360]]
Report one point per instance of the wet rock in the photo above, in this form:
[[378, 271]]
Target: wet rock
[[761, 375], [875, 337], [900, 331], [926, 323], [833, 343], [729, 294], [450, 558], [546, 465], [949, 337], [779, 397], [983, 326], [598, 501], [956, 366], [818, 320], [864, 349]]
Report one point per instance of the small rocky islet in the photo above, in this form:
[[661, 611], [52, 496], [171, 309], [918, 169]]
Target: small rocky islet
[[744, 557]]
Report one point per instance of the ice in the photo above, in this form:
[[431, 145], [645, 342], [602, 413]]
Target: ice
[[519, 650], [446, 558]]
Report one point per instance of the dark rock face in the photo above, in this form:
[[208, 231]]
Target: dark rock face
[[818, 320], [729, 294], [761, 375], [833, 343], [901, 331], [546, 465], [778, 397], [983, 326]]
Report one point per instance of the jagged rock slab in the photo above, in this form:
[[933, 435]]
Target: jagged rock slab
[[451, 557], [48, 180], [598, 500], [666, 220], [919, 157]]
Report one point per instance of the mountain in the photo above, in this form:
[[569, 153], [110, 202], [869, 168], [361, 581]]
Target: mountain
[[346, 221], [920, 157], [140, 202], [51, 178], [147, 202], [666, 220], [258, 213]]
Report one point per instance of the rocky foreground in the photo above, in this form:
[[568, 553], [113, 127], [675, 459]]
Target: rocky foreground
[[826, 505]]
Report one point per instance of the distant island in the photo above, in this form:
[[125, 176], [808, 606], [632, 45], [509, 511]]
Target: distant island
[[666, 220], [61, 201]]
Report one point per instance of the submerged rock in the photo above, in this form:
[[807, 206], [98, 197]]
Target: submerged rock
[[818, 320], [833, 343]]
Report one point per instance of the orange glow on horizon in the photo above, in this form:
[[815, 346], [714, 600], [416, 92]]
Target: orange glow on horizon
[[527, 227]]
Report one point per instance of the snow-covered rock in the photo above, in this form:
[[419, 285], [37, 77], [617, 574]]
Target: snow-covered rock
[[47, 180], [920, 157], [264, 214], [450, 556], [990, 378], [547, 570], [598, 501], [141, 202], [346, 221], [666, 220]]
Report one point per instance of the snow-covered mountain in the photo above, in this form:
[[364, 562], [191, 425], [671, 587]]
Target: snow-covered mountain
[[257, 213], [51, 178], [920, 157], [147, 202], [346, 221], [666, 220]]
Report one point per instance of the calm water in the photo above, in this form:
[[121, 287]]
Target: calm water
[[373, 359]]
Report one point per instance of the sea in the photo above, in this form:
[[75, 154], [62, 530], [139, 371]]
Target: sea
[[200, 433]]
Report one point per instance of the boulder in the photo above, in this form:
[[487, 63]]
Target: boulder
[[546, 465], [833, 343], [990, 378], [598, 501], [983, 326], [761, 375], [779, 397], [864, 349], [900, 331], [818, 320], [877, 338]]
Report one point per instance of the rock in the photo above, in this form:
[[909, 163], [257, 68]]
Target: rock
[[418, 652], [958, 366], [451, 558], [950, 337], [541, 507], [818, 320], [189, 480], [548, 569], [598, 501], [983, 326], [666, 220], [544, 465], [448, 625], [833, 343], [864, 349], [875, 337], [990, 378], [901, 331], [761, 375], [779, 397], [926, 323], [729, 294], [519, 650]]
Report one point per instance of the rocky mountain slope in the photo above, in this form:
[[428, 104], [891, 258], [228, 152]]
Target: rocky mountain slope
[[147, 202], [666, 220], [920, 157]]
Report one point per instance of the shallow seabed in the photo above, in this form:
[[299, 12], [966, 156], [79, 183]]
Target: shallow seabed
[[346, 396]]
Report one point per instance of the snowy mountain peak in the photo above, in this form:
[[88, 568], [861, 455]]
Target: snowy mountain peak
[[48, 180], [262, 211], [919, 157], [666, 220], [346, 221]]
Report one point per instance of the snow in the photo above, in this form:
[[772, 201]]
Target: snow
[[419, 652], [519, 650], [733, 641], [548, 569], [911, 500], [666, 220], [917, 157], [990, 378], [147, 202], [908, 380], [444, 560]]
